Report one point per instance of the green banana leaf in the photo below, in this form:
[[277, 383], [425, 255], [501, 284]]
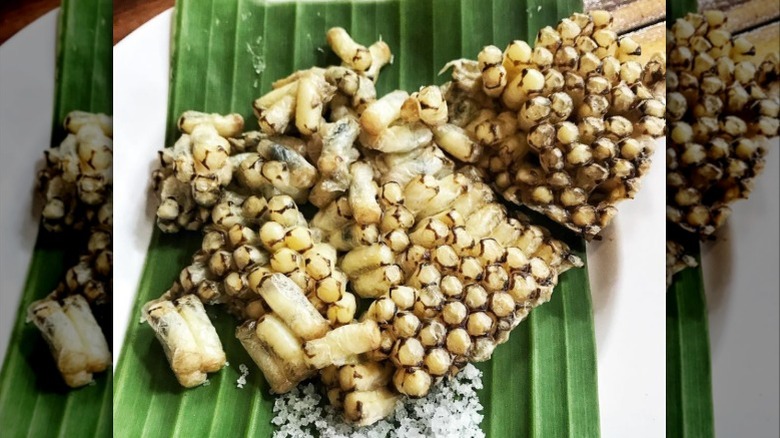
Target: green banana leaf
[[34, 400], [541, 383], [688, 372]]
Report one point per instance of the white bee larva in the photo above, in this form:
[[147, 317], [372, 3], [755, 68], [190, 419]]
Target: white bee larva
[[212, 354], [287, 300], [380, 57], [70, 353], [279, 340], [368, 407], [339, 345], [313, 93], [179, 344], [494, 75], [381, 113], [271, 366], [353, 54], [457, 142]]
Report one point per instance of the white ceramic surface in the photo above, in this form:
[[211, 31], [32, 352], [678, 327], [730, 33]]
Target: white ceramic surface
[[27, 63], [140, 106], [626, 268], [742, 284]]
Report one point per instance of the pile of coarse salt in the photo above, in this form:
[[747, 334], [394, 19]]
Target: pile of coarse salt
[[452, 409]]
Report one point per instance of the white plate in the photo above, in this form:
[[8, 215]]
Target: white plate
[[27, 63], [742, 281], [626, 268]]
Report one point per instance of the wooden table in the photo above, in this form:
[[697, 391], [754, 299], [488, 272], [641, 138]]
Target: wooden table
[[128, 14], [16, 14]]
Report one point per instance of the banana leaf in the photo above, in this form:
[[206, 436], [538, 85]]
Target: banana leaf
[[225, 54], [689, 411], [34, 401]]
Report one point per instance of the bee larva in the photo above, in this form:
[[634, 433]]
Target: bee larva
[[525, 84], [517, 56], [313, 93], [494, 75], [568, 30], [457, 142], [380, 114], [561, 105], [553, 81], [534, 111], [496, 129], [353, 54], [380, 57]]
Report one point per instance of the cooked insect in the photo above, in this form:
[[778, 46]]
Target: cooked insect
[[188, 338], [341, 345], [92, 276], [74, 337], [719, 137], [77, 186], [77, 179], [579, 117], [273, 369], [353, 54], [402, 218], [723, 102]]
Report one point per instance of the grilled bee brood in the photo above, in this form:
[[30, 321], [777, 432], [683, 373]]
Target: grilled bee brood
[[92, 276], [723, 106], [565, 127], [188, 338], [467, 274], [77, 187], [279, 278], [77, 179], [74, 337], [404, 217]]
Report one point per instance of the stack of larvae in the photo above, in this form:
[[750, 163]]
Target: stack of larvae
[[76, 185], [92, 276], [243, 189], [566, 126], [188, 338], [213, 167], [451, 275], [76, 182], [723, 106], [235, 261], [292, 154], [403, 219]]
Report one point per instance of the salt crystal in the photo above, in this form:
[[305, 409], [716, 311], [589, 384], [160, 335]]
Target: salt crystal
[[452, 409], [242, 379]]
